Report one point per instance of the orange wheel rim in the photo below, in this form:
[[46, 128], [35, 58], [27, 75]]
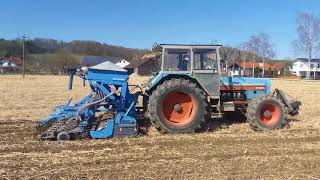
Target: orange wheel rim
[[179, 108], [269, 114]]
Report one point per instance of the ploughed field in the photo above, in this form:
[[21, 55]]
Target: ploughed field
[[230, 149]]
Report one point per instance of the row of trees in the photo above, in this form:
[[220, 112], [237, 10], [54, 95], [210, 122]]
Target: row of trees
[[308, 40], [259, 46], [41, 45], [53, 63], [52, 56], [258, 49]]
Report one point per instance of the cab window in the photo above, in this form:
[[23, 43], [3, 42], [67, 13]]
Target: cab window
[[205, 59], [177, 60]]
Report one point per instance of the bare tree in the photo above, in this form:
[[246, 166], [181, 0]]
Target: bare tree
[[229, 56], [244, 48], [308, 40], [226, 53], [260, 44], [250, 46], [266, 49], [64, 61]]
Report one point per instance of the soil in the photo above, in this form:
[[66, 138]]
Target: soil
[[229, 150]]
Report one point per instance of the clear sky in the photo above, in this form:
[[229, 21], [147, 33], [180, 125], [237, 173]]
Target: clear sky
[[140, 23]]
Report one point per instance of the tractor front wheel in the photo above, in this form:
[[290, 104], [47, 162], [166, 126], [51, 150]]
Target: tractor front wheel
[[266, 113], [178, 106]]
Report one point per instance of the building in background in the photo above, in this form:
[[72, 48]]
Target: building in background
[[147, 65], [281, 69], [301, 66], [10, 64], [246, 69], [121, 62], [234, 70]]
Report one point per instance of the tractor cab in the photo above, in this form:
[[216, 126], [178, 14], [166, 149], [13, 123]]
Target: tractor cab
[[189, 58], [200, 62]]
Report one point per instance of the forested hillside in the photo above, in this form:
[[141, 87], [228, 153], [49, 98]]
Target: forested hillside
[[41, 46], [52, 56]]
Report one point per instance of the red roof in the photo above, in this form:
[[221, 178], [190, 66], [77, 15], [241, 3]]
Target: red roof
[[278, 66], [250, 65], [274, 67]]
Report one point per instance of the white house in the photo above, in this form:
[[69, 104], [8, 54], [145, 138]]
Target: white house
[[234, 70], [300, 67], [7, 66], [6, 63], [122, 62]]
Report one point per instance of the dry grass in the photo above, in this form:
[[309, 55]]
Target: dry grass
[[232, 150]]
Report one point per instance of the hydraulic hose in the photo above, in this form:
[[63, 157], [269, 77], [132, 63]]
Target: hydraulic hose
[[82, 108]]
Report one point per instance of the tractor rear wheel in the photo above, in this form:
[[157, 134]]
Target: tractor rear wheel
[[178, 106], [266, 113]]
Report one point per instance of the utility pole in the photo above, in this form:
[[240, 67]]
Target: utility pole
[[253, 66], [239, 71], [262, 66], [23, 54], [244, 65]]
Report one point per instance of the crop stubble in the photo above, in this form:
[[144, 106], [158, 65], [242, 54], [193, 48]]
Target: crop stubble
[[228, 150]]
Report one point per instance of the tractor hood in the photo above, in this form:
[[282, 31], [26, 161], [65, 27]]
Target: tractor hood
[[260, 83]]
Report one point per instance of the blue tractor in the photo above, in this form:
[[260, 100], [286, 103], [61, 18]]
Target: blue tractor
[[181, 98]]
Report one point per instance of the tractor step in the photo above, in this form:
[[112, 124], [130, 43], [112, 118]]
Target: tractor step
[[216, 115]]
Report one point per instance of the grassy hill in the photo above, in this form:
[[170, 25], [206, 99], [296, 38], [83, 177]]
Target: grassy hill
[[55, 56], [52, 62]]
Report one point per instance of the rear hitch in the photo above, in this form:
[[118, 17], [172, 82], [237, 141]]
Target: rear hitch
[[291, 105]]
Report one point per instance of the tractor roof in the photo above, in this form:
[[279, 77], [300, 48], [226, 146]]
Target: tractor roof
[[191, 45]]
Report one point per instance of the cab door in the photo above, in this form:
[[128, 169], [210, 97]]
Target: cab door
[[206, 70]]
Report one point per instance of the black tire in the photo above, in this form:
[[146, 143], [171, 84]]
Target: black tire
[[63, 136], [274, 117], [199, 113]]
